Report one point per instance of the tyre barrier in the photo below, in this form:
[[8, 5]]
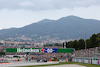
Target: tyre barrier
[[87, 60]]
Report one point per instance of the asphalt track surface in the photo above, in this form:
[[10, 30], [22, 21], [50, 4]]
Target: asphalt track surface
[[36, 63], [26, 64], [67, 65]]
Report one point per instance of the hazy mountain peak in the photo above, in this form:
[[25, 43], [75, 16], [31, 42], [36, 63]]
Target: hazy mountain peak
[[70, 18], [73, 17], [45, 21]]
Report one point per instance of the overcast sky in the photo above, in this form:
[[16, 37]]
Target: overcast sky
[[18, 13]]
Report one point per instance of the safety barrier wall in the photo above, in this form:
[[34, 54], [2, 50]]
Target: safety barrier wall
[[87, 60], [3, 61], [63, 60]]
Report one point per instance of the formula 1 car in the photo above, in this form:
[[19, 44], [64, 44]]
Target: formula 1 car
[[41, 60]]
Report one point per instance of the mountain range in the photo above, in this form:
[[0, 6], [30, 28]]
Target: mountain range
[[70, 27]]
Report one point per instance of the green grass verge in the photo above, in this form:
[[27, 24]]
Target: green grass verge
[[61, 63]]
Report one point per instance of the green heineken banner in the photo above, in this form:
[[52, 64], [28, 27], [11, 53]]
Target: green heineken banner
[[23, 49], [37, 50]]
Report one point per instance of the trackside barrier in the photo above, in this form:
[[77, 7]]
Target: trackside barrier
[[66, 59], [87, 60], [73, 60], [90, 61], [94, 61], [98, 61], [77, 59], [82, 60], [5, 63], [62, 60]]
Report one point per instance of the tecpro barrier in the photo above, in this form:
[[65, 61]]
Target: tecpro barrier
[[87, 60]]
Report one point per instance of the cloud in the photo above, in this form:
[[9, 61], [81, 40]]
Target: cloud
[[37, 5], [1, 28], [22, 17], [27, 4]]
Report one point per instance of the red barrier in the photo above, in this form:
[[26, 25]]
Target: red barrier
[[66, 59], [5, 63]]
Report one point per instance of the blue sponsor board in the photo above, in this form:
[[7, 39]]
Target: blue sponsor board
[[50, 50]]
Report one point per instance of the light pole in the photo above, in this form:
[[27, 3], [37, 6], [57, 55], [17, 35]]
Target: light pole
[[85, 41], [85, 44]]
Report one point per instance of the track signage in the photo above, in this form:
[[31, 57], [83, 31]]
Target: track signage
[[38, 50]]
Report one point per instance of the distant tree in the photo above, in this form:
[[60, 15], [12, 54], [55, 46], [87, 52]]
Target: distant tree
[[98, 41], [81, 44], [75, 44], [57, 44], [88, 43], [63, 45], [2, 53], [46, 45], [93, 40], [99, 44], [66, 44], [70, 44]]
